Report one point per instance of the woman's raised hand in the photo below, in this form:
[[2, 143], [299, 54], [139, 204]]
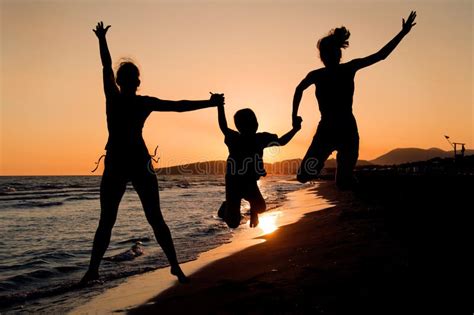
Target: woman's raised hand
[[100, 31], [408, 24]]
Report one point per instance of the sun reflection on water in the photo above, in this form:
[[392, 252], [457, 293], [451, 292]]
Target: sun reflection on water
[[267, 222]]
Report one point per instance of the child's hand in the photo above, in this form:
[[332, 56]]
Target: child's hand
[[217, 99], [297, 123]]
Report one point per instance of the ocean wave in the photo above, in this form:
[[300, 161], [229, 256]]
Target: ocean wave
[[28, 264], [38, 197], [37, 204], [42, 201], [65, 269], [55, 255], [7, 190], [135, 251], [30, 276], [23, 188], [28, 194], [82, 198], [8, 299], [11, 299], [22, 184], [134, 240], [190, 213], [211, 229]]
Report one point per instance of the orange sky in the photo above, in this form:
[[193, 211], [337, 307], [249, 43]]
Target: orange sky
[[256, 52]]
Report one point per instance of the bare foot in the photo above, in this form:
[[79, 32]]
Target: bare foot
[[89, 277], [176, 271], [253, 219]]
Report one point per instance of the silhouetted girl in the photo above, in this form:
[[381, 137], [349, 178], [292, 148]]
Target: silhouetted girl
[[337, 129], [127, 157]]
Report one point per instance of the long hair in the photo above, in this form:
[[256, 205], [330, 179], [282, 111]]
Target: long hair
[[330, 45]]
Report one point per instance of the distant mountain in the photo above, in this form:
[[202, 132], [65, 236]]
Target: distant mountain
[[408, 155], [332, 163], [199, 168], [289, 167], [219, 168], [285, 167]]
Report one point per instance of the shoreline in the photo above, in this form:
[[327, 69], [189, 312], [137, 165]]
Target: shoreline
[[139, 289], [343, 259], [397, 244]]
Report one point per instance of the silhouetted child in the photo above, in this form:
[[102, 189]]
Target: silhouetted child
[[245, 163]]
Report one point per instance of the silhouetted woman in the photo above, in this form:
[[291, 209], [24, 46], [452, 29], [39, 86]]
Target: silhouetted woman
[[127, 157], [337, 130]]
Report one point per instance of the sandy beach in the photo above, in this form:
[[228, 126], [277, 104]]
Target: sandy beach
[[372, 251], [140, 289], [334, 261]]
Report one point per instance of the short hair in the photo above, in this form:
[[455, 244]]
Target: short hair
[[245, 120]]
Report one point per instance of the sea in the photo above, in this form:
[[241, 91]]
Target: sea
[[47, 224]]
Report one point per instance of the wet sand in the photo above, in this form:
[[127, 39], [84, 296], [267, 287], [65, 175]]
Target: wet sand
[[141, 288], [339, 260], [396, 245]]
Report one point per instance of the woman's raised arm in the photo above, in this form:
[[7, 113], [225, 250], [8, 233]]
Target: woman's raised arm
[[387, 49], [108, 74]]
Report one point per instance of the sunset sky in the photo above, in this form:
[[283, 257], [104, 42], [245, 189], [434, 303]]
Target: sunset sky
[[256, 52]]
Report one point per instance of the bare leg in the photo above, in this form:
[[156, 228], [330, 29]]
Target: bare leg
[[222, 209], [112, 189], [232, 213], [257, 204], [233, 196], [318, 152], [346, 161], [147, 188]]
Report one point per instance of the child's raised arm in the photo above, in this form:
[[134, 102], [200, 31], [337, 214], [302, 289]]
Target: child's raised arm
[[222, 120], [283, 140]]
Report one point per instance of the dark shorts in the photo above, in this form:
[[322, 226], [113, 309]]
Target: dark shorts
[[331, 136], [236, 189], [122, 169], [137, 169], [128, 167]]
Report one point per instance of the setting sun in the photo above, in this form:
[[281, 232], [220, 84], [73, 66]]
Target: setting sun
[[186, 49], [202, 156]]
